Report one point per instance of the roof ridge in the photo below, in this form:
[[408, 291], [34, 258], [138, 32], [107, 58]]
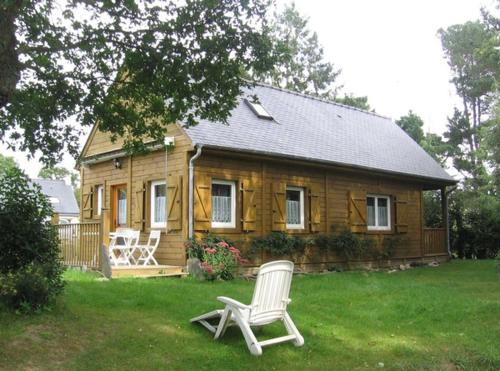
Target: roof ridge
[[266, 85], [49, 180]]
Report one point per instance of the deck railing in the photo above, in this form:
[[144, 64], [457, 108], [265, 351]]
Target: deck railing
[[80, 243], [435, 241]]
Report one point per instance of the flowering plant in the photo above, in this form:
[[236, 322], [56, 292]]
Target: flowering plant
[[218, 256]]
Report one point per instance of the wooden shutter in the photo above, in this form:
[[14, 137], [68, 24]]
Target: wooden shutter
[[249, 217], [401, 208], [202, 202], [315, 208], [278, 191], [87, 202], [139, 190], [174, 202], [357, 211]]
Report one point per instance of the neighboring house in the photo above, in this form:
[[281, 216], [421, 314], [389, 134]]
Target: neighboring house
[[292, 163], [62, 198]]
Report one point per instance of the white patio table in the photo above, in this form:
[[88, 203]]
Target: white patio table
[[122, 242]]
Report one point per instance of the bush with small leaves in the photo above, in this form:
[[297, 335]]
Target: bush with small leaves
[[280, 243], [30, 267]]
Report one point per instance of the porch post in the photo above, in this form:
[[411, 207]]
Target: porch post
[[444, 213], [104, 243]]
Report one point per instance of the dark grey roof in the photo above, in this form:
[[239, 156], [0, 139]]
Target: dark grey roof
[[309, 128], [59, 190]]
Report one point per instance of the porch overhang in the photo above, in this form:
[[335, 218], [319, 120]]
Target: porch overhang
[[118, 153]]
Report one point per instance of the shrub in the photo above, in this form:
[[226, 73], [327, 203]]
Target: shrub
[[217, 255], [349, 245], [280, 243], [30, 267], [474, 225], [353, 246], [323, 242]]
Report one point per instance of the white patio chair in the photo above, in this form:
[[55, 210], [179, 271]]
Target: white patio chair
[[269, 303], [147, 251], [122, 242]]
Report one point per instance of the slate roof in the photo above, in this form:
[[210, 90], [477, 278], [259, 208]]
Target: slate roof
[[64, 193], [312, 129]]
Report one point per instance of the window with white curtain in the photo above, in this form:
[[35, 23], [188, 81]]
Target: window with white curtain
[[100, 198], [122, 207], [294, 208], [158, 204], [379, 212], [223, 204]]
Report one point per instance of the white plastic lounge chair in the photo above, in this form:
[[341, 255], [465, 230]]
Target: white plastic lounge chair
[[269, 302], [147, 251]]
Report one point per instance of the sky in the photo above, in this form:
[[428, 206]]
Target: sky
[[387, 50]]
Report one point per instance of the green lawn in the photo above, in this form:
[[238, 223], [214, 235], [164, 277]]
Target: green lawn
[[424, 318]]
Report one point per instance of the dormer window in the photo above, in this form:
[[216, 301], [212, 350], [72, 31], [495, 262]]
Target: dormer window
[[259, 110]]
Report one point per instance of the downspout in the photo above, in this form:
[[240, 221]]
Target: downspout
[[191, 190]]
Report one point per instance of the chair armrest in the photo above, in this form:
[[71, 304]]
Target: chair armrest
[[232, 302]]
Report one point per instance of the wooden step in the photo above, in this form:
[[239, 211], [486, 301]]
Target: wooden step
[[147, 271]]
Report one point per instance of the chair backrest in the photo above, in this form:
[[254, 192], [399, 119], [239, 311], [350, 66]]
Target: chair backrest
[[154, 238], [123, 230], [271, 293], [134, 237]]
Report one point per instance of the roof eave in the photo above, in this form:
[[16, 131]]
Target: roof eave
[[430, 180]]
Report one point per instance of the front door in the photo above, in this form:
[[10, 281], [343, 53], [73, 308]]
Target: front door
[[119, 206]]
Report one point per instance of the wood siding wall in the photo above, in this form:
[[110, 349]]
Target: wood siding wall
[[333, 197], [137, 172], [330, 200]]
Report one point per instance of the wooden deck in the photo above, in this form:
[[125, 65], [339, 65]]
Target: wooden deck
[[148, 271]]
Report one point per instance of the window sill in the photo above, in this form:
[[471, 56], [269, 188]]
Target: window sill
[[223, 226], [295, 227], [380, 231], [158, 226]]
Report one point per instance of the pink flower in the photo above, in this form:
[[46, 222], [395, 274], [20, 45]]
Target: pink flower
[[210, 250], [209, 268], [234, 250], [223, 244]]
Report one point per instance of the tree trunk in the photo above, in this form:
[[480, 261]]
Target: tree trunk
[[10, 68]]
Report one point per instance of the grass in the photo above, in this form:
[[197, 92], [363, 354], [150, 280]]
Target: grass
[[421, 319]]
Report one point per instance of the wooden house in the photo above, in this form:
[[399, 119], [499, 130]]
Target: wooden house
[[290, 163]]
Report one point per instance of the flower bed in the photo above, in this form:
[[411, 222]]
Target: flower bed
[[218, 257]]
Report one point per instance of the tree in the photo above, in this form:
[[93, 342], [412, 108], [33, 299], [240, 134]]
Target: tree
[[353, 101], [129, 65], [472, 50], [300, 65], [7, 163], [412, 124], [432, 143], [54, 173], [491, 133]]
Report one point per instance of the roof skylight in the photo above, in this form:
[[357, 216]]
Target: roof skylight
[[259, 110]]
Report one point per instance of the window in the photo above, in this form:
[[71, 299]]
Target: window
[[259, 110], [53, 200], [379, 212], [158, 204], [121, 206], [223, 204], [294, 208], [100, 197]]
